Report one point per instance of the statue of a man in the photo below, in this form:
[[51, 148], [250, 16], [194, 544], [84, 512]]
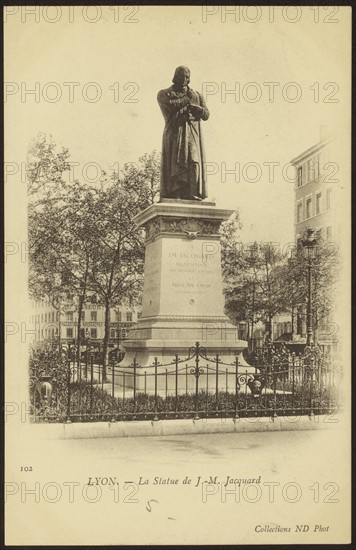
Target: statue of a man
[[183, 173]]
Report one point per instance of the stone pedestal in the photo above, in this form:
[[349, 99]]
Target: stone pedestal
[[183, 300]]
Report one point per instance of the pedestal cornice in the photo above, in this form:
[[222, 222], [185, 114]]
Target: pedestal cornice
[[179, 218], [170, 208]]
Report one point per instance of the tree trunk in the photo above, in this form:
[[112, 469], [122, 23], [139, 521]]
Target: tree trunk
[[59, 327], [79, 326], [269, 327], [82, 296], [106, 338]]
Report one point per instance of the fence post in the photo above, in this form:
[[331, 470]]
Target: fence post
[[86, 364], [134, 387], [196, 373], [176, 377], [91, 382], [156, 398], [80, 367], [293, 381], [68, 420], [311, 386], [274, 393], [237, 385], [80, 388], [123, 391], [113, 391], [207, 390], [217, 385]]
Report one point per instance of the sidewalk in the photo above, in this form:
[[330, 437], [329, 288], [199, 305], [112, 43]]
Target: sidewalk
[[147, 428]]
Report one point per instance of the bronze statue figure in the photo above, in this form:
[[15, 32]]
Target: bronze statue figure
[[183, 174]]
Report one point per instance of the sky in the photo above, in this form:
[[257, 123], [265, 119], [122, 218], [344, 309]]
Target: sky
[[97, 72]]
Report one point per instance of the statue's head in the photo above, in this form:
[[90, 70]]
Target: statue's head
[[181, 76]]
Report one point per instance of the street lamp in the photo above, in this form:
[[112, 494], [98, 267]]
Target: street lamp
[[309, 244]]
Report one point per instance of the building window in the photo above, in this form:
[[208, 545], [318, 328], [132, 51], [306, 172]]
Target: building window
[[69, 332], [93, 333], [310, 170], [82, 316], [313, 168], [93, 316], [129, 317], [328, 199], [69, 315], [317, 167], [300, 176], [299, 212], [118, 316], [329, 233], [308, 208], [318, 203], [112, 333]]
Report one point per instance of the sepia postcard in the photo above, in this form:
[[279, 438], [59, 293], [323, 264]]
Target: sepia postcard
[[177, 275]]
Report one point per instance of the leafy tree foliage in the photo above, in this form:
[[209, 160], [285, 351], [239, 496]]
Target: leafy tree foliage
[[83, 238]]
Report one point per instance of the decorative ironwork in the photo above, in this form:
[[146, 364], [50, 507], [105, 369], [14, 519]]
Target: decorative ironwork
[[283, 384]]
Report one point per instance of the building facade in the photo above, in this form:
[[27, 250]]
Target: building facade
[[316, 175], [316, 208], [48, 324]]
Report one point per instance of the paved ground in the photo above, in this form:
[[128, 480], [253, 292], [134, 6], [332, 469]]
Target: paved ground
[[159, 496]]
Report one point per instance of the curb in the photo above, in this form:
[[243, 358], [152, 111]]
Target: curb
[[148, 428]]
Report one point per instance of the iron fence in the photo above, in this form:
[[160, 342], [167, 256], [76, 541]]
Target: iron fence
[[196, 386]]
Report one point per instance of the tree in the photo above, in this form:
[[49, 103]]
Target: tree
[[83, 239], [144, 175], [117, 271], [45, 171], [61, 249], [46, 185], [252, 282], [117, 268], [325, 267], [260, 282]]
